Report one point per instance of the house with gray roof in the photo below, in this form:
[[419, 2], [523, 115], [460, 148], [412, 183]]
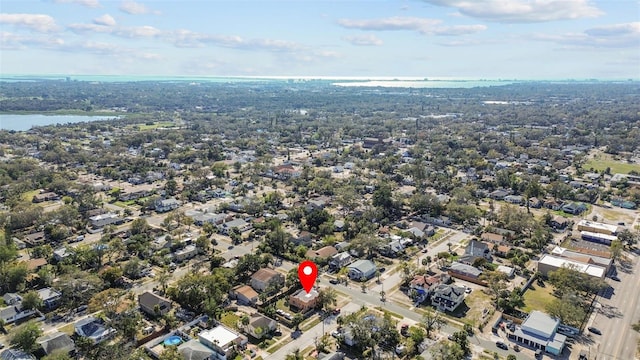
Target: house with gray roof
[[94, 329], [58, 342], [362, 269], [466, 272], [15, 354], [447, 297], [50, 298], [15, 313]]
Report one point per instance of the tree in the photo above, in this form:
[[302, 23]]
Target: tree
[[24, 337], [294, 355], [163, 278], [327, 297], [627, 237], [32, 301], [447, 351], [139, 226], [460, 338], [616, 249], [567, 309], [366, 243], [495, 282], [432, 320]]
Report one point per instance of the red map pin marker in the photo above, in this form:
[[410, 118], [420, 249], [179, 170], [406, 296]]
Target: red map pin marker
[[307, 272]]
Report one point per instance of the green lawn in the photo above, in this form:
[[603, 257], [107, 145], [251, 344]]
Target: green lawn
[[155, 125], [537, 297], [28, 196], [230, 319], [602, 161]]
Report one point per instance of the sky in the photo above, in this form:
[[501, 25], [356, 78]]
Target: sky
[[466, 39]]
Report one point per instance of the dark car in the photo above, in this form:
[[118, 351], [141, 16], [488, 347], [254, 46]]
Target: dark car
[[502, 345], [595, 330], [538, 354], [615, 278], [334, 281]]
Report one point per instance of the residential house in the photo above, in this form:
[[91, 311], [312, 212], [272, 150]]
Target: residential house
[[264, 278], [424, 285], [447, 297], [195, 350], [362, 269], [539, 331], [154, 304], [260, 325], [240, 224], [475, 250], [304, 301], [245, 294], [492, 237], [15, 313], [94, 329], [499, 250], [45, 196], [465, 272], [574, 208], [102, 220], [60, 254], [165, 205], [338, 225], [185, 253], [535, 203], [340, 260], [304, 238], [393, 248], [223, 341], [11, 298], [15, 354], [323, 253], [559, 222], [57, 342], [499, 194], [35, 264], [35, 239], [50, 298], [552, 204], [514, 199]]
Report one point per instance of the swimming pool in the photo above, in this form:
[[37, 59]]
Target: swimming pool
[[172, 340]]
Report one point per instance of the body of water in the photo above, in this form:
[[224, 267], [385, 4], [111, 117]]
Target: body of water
[[26, 122]]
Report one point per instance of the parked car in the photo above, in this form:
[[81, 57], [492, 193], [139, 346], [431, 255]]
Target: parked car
[[615, 278], [502, 345], [334, 281], [336, 311], [595, 330], [538, 354]]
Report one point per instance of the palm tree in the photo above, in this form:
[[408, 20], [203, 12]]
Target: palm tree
[[163, 279], [327, 297]]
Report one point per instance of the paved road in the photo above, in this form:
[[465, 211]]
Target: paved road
[[616, 311], [309, 337]]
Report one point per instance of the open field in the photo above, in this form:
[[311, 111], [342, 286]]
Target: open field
[[601, 161], [28, 196], [537, 297], [155, 125]]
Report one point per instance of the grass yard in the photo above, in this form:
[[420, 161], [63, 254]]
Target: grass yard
[[230, 319], [28, 196], [615, 215], [537, 297], [601, 161], [155, 125], [310, 323]]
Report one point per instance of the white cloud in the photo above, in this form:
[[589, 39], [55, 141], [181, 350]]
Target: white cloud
[[459, 30], [632, 28], [421, 25], [626, 35], [522, 11], [87, 3], [392, 23], [363, 40], [106, 20], [136, 8], [85, 28], [137, 32], [12, 41], [36, 22], [187, 38]]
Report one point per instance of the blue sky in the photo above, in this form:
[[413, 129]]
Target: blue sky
[[509, 39]]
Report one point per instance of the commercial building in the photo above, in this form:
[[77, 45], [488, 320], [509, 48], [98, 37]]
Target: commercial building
[[548, 263], [539, 331]]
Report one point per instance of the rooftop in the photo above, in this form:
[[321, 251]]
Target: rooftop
[[219, 334]]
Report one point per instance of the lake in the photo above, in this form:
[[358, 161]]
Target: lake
[[26, 122]]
